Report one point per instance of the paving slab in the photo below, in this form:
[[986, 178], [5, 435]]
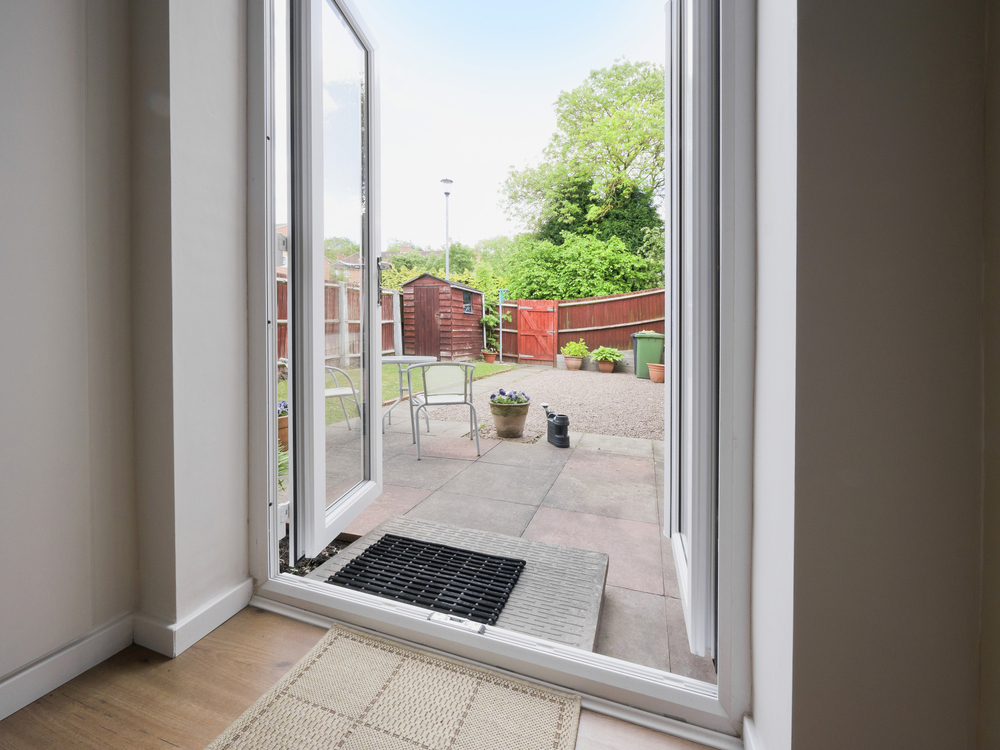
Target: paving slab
[[633, 548], [633, 501], [633, 628], [438, 427], [526, 455], [474, 513], [557, 597], [660, 494], [394, 443], [658, 449], [682, 661], [499, 482], [394, 501], [670, 585], [428, 474], [611, 467], [574, 441], [615, 444], [440, 446]]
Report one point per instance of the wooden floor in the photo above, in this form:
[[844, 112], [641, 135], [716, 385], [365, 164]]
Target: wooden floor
[[139, 699]]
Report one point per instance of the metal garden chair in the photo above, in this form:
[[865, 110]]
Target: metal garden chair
[[444, 384], [343, 391]]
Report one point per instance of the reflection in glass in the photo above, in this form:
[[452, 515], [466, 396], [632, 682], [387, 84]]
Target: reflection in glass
[[343, 231]]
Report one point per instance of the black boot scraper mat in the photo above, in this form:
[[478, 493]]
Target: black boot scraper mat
[[447, 579]]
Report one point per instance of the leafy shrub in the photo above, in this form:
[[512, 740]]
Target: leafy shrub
[[606, 354], [575, 349], [583, 266]]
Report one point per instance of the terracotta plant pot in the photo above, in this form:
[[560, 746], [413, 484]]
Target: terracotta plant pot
[[509, 419], [283, 432], [606, 365], [573, 363], [489, 357], [655, 372]]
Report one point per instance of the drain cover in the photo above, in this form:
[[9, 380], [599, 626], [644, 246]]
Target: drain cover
[[468, 584]]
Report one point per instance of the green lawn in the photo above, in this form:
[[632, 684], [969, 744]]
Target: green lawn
[[390, 386]]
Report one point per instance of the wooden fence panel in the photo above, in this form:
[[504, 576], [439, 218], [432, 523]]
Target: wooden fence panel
[[509, 342], [611, 321], [350, 343], [599, 321]]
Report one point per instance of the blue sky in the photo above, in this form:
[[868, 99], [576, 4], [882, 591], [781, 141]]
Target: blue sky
[[467, 91]]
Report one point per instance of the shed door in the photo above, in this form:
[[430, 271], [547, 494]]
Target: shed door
[[427, 319]]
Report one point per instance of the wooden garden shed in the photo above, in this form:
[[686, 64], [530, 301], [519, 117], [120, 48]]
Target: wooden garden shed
[[441, 318]]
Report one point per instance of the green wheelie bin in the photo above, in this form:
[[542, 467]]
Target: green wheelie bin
[[646, 347]]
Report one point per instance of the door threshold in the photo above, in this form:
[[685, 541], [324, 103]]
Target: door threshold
[[699, 700]]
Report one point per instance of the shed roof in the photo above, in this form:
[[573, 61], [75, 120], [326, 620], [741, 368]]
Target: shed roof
[[452, 284]]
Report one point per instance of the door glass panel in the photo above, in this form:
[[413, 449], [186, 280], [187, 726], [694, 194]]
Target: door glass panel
[[283, 279], [344, 242]]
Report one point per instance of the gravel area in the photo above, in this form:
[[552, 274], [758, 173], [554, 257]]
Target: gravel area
[[603, 404]]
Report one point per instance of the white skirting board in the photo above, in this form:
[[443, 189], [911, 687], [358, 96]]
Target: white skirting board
[[751, 740], [31, 682], [174, 638]]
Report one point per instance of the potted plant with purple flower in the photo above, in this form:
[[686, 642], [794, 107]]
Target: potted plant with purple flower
[[509, 410], [283, 424]]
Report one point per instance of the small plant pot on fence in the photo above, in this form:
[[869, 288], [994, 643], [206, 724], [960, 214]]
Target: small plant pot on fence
[[509, 419], [655, 372]]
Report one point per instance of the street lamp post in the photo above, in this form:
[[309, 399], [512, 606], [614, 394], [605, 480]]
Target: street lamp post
[[447, 241]]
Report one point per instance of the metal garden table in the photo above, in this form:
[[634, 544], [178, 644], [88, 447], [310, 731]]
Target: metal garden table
[[399, 361]]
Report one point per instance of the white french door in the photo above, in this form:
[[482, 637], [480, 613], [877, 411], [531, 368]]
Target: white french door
[[693, 309], [333, 164], [335, 362]]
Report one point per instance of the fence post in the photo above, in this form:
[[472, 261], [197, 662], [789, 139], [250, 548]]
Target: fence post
[[343, 328], [555, 333]]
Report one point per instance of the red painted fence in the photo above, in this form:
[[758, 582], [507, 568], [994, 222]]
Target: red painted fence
[[599, 321]]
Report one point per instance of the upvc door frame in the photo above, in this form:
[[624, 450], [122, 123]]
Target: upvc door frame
[[610, 684], [315, 524]]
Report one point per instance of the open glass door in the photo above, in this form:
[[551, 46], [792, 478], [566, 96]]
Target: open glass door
[[335, 361], [693, 138]]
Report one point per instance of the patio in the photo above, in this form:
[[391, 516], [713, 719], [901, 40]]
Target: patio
[[603, 494]]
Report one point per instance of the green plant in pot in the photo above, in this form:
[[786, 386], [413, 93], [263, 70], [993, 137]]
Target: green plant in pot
[[573, 354], [509, 410], [491, 326], [606, 356]]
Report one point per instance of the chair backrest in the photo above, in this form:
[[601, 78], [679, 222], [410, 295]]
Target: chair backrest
[[447, 379], [332, 371]]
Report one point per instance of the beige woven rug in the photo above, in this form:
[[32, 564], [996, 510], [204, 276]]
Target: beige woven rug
[[358, 692]]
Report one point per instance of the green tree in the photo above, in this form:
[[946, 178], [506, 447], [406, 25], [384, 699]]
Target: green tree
[[626, 215], [582, 266], [609, 130]]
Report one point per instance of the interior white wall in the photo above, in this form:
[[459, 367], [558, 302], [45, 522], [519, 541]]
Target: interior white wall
[[888, 381], [190, 329], [209, 284], [152, 286], [774, 434], [68, 540]]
